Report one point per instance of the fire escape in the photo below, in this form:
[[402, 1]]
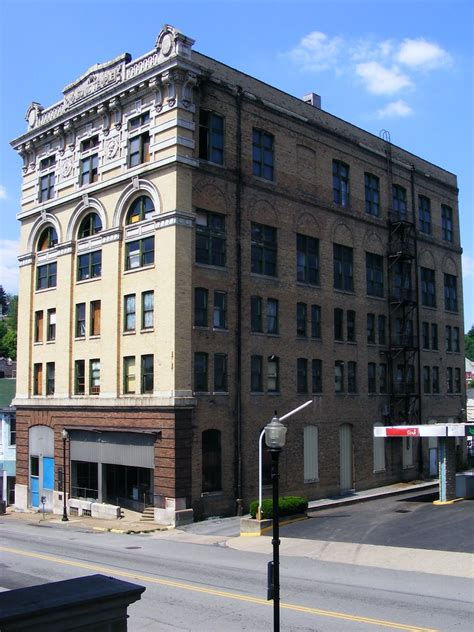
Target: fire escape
[[403, 349]]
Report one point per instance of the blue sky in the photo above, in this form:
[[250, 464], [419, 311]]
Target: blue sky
[[404, 66]]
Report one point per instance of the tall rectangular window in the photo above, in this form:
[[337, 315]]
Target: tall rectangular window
[[39, 326], [457, 380], [139, 149], [272, 316], [351, 325], [273, 374], [425, 335], [343, 268], [435, 379], [338, 324], [80, 320], [37, 379], [302, 375], [95, 318], [147, 374], [79, 377], [89, 266], [307, 259], [310, 454], [456, 346], [374, 270], [449, 380], [434, 336], [139, 253], [382, 329], [129, 312], [148, 309], [211, 137], [315, 321], [219, 317], [220, 373], [262, 154], [450, 293], [46, 276], [371, 328], [256, 323], [338, 376], [264, 250], [200, 306], [383, 378], [51, 325], [301, 310], [428, 287], [424, 214], [372, 377], [426, 380], [129, 375], [399, 202], [448, 334], [372, 195], [94, 377], [340, 183], [447, 222], [46, 187], [352, 377], [316, 376], [89, 169], [210, 238], [201, 372], [256, 374], [50, 378]]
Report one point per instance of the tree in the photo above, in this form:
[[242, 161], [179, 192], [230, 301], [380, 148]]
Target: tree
[[3, 301], [469, 344], [8, 326]]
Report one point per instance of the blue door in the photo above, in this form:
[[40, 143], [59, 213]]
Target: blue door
[[34, 480], [34, 486], [48, 472]]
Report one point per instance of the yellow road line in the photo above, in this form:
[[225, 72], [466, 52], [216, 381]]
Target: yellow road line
[[218, 593]]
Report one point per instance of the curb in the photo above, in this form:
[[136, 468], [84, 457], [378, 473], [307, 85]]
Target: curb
[[264, 530], [352, 501]]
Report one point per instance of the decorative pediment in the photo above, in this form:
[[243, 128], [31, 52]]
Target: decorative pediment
[[32, 115], [96, 79], [170, 41]]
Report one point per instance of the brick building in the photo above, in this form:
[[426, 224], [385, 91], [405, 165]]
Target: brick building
[[200, 249]]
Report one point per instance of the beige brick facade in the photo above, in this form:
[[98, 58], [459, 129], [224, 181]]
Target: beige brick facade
[[170, 99]]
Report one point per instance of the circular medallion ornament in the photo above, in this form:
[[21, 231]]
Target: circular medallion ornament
[[166, 44], [66, 167], [32, 117], [112, 148]]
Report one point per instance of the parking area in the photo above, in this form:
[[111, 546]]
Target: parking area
[[409, 520]]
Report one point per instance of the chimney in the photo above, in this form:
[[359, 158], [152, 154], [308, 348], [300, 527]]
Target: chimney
[[313, 99]]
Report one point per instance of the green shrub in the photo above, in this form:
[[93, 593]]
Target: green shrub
[[288, 505]]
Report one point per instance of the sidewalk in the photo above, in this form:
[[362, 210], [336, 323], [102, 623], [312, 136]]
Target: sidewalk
[[222, 528]]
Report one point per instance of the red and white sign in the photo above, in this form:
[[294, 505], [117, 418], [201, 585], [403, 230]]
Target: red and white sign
[[428, 430]]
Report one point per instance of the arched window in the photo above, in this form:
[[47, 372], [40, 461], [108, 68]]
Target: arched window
[[142, 208], [90, 225], [211, 461], [48, 238]]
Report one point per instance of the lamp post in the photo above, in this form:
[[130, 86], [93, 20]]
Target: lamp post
[[65, 437], [275, 436]]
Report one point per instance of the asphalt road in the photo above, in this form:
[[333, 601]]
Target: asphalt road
[[210, 587], [409, 520]]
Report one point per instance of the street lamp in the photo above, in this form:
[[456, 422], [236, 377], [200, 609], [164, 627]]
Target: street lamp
[[65, 436], [275, 437]]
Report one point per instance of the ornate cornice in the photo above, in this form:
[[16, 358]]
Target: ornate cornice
[[174, 218], [95, 88]]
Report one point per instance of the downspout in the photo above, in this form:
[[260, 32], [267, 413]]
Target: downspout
[[238, 337], [417, 289]]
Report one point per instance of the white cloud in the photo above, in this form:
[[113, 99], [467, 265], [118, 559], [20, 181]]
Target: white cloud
[[9, 265], [381, 80], [395, 109], [316, 51], [3, 193], [422, 55], [467, 266]]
